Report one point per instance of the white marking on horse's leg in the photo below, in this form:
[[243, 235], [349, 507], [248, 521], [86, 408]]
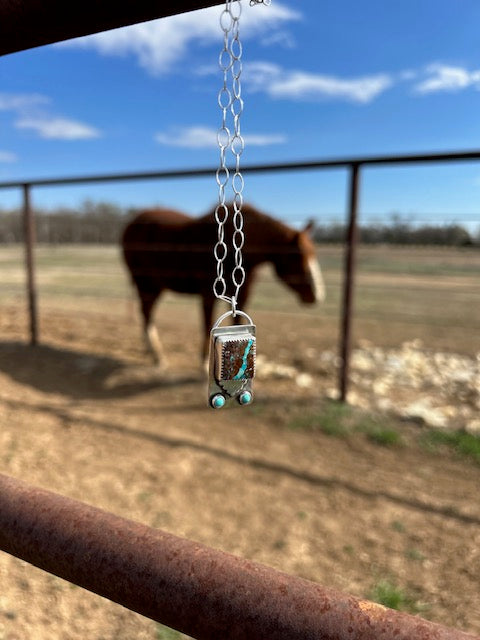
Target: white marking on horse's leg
[[317, 280], [206, 365], [154, 344]]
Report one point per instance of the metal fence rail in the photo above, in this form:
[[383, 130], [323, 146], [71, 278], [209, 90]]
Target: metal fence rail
[[353, 165], [202, 592]]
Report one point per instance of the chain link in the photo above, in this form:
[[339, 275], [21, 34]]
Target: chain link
[[231, 104]]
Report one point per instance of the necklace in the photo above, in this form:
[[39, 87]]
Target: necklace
[[232, 348]]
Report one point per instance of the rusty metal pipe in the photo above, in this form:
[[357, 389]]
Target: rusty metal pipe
[[202, 592]]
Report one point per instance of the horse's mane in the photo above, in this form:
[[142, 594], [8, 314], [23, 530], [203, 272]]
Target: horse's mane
[[253, 216]]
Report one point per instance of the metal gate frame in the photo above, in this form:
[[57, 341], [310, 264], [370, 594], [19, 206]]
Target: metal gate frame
[[206, 593]]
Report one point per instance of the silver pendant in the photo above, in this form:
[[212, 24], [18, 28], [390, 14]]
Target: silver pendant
[[231, 362]]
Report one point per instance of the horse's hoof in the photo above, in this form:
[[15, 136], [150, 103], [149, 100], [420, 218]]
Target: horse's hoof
[[160, 365]]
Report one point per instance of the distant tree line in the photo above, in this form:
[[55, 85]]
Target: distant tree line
[[91, 223], [400, 231], [102, 223]]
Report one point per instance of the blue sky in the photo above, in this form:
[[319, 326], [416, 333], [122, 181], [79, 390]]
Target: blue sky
[[321, 79]]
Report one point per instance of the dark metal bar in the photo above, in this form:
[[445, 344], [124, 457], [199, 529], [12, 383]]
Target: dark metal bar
[[348, 284], [335, 163], [30, 238], [294, 166], [30, 23], [202, 592]]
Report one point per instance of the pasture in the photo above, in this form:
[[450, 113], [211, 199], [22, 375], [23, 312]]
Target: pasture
[[294, 481]]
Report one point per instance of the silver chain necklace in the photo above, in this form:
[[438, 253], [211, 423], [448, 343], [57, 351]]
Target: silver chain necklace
[[231, 103], [232, 348]]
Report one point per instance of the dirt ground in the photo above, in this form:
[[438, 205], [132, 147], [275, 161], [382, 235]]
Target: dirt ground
[[85, 414]]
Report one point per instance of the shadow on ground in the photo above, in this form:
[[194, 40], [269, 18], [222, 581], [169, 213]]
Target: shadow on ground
[[82, 375]]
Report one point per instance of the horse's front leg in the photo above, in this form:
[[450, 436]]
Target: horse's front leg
[[152, 339], [208, 303], [243, 295]]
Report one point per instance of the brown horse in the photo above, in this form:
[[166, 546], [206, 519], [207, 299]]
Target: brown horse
[[165, 249]]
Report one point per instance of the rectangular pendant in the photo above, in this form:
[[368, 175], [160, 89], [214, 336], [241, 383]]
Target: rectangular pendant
[[231, 365]]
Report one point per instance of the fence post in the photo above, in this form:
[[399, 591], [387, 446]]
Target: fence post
[[30, 239], [349, 273]]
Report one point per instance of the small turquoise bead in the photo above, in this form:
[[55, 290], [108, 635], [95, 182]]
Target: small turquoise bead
[[245, 397], [218, 401]]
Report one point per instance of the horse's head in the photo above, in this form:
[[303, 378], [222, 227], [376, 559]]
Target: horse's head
[[298, 267]]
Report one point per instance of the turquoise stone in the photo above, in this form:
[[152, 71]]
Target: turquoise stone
[[218, 401], [245, 397], [241, 372], [234, 357]]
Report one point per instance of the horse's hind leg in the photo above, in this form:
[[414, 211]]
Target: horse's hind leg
[[152, 339]]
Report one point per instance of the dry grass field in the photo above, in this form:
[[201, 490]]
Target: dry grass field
[[367, 502]]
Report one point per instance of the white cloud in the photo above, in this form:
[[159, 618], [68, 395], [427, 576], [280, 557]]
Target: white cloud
[[263, 140], [448, 78], [21, 101], [192, 138], [31, 114], [279, 38], [57, 128], [199, 137], [159, 44], [7, 156], [408, 74], [302, 85]]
